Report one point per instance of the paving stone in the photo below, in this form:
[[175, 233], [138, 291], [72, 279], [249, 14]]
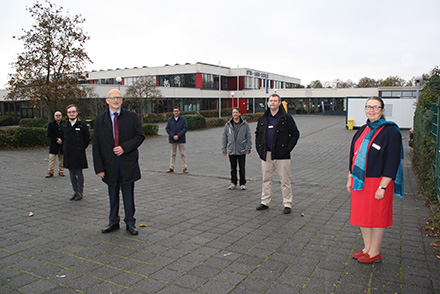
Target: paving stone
[[202, 237]]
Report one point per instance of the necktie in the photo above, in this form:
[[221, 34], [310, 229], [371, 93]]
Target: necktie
[[115, 121]]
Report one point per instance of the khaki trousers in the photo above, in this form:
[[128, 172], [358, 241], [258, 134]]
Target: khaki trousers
[[174, 152], [282, 166], [52, 160]]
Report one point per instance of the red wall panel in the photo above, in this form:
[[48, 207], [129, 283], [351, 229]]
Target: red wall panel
[[199, 81]]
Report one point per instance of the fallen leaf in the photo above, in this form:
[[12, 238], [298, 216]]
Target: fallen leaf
[[302, 214], [14, 174], [143, 225], [31, 213]]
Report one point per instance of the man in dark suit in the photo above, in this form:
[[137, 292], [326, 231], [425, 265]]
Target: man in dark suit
[[56, 145], [117, 135]]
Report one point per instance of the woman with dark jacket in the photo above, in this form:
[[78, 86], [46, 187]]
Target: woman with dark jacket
[[76, 139], [237, 142], [376, 173]]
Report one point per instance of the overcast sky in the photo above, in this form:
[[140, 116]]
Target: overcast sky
[[306, 39]]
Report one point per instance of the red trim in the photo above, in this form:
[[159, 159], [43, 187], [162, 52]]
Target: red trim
[[242, 106], [199, 81], [157, 81]]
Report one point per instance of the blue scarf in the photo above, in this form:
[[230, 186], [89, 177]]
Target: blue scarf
[[358, 173]]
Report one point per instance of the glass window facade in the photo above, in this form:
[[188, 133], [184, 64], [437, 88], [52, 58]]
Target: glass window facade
[[398, 94], [179, 80]]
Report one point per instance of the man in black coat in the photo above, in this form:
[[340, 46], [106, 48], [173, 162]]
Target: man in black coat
[[117, 135], [275, 138], [56, 145], [76, 139]]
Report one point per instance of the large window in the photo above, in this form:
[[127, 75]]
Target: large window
[[398, 94], [180, 80], [210, 81]]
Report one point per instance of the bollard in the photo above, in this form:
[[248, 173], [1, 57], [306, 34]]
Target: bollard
[[350, 124]]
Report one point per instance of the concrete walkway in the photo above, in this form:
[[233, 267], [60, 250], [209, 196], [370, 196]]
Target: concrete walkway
[[199, 236]]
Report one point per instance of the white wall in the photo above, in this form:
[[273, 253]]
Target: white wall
[[401, 111]]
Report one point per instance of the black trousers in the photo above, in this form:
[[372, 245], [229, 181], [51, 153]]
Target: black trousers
[[241, 160], [127, 197], [77, 180]]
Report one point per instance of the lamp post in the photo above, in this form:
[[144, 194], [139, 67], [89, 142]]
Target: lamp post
[[118, 81], [219, 92], [232, 94]]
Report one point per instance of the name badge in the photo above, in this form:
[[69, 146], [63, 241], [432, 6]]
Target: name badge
[[77, 129], [376, 146], [270, 127]]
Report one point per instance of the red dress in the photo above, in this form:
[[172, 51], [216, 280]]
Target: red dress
[[366, 210]]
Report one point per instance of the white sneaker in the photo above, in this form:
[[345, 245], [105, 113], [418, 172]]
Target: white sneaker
[[243, 187], [231, 186]]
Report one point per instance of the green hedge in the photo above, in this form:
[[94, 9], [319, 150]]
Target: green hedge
[[156, 117], [216, 122], [424, 143], [33, 123], [6, 120], [150, 129], [195, 121], [24, 137], [163, 117], [6, 137]]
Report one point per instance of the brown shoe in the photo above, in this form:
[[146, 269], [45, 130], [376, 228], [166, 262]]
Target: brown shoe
[[185, 171], [49, 175], [61, 174], [170, 170]]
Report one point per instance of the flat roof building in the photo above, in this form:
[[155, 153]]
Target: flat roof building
[[196, 87]]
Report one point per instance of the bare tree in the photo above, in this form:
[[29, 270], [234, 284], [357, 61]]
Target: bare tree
[[53, 62], [366, 82], [144, 89], [315, 84], [393, 81]]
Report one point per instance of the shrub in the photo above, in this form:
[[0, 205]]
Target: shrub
[[29, 137], [195, 121], [216, 122], [150, 129], [6, 137], [156, 117], [6, 121], [250, 117], [35, 122]]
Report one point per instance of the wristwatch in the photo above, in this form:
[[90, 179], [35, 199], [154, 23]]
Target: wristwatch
[[382, 187]]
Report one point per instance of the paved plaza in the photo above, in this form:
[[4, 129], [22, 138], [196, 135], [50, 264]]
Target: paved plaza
[[201, 237]]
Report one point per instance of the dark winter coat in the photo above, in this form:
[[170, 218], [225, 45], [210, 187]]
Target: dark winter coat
[[131, 136], [384, 158], [286, 135], [76, 140], [177, 127], [54, 132]]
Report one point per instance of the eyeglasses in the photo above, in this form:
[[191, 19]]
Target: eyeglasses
[[373, 107], [57, 114], [114, 97], [72, 111]]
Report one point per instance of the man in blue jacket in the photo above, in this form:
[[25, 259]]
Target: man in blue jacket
[[176, 129]]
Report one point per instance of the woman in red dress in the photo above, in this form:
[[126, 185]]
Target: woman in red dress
[[376, 162]]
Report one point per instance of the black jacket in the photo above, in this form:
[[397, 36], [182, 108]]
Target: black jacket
[[383, 158], [285, 138], [54, 132], [76, 140], [131, 136]]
